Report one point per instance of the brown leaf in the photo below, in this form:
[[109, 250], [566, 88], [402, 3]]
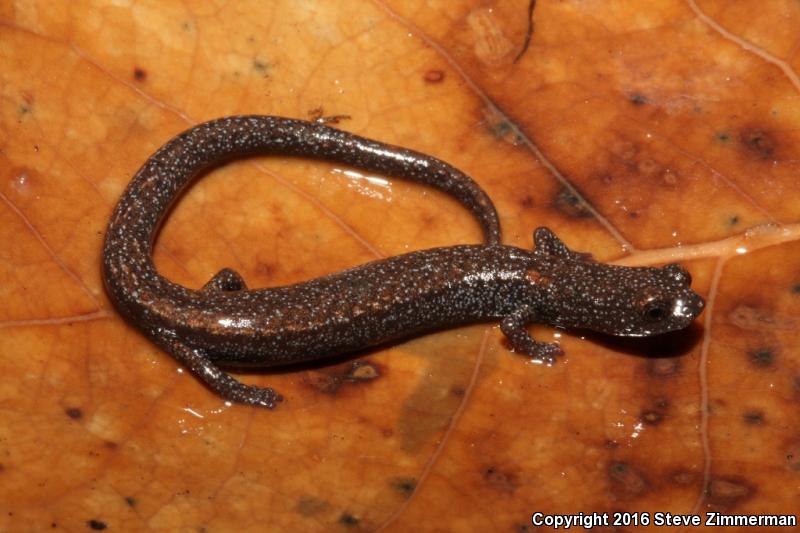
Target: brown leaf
[[642, 132]]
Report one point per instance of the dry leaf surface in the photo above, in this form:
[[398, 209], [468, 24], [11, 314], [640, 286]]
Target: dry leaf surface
[[644, 132]]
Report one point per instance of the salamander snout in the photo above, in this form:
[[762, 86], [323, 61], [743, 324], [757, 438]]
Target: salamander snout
[[689, 307]]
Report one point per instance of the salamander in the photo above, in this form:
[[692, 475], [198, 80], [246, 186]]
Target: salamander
[[226, 324]]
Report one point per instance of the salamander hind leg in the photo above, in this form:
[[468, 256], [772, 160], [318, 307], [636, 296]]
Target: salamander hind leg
[[217, 380], [513, 327], [545, 242], [226, 280]]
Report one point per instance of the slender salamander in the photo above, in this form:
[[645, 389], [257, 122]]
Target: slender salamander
[[225, 323]]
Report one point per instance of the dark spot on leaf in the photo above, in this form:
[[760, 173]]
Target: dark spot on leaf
[[265, 269], [139, 74], [624, 149], [362, 371], [715, 405], [796, 288], [497, 479], [759, 142], [500, 127], [311, 505], [458, 391], [793, 457], [733, 220], [749, 317], [110, 444], [762, 357], [684, 477], [433, 76], [315, 113], [405, 485], [637, 99], [663, 367], [349, 520], [649, 166], [74, 413], [724, 493], [627, 479], [53, 525], [723, 137], [96, 525], [322, 382], [261, 66], [570, 204], [131, 501], [753, 417], [526, 202]]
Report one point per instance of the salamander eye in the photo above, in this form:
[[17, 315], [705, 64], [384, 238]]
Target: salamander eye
[[655, 311]]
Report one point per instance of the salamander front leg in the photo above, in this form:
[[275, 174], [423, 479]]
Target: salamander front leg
[[219, 381], [513, 326]]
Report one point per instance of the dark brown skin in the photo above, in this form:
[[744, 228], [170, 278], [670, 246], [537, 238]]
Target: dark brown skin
[[382, 301]]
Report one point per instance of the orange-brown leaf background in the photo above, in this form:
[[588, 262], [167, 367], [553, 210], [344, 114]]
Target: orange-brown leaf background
[[642, 131]]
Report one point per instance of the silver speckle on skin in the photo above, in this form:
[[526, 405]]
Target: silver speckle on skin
[[382, 301]]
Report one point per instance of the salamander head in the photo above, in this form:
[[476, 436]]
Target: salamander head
[[625, 301]]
